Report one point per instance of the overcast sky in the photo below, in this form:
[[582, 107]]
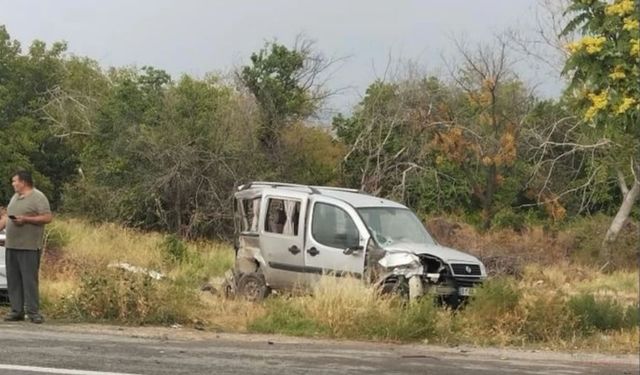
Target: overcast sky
[[198, 36]]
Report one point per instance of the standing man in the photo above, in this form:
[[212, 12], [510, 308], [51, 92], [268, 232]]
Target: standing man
[[27, 214]]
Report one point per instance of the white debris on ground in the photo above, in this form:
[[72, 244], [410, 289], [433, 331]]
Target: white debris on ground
[[135, 269]]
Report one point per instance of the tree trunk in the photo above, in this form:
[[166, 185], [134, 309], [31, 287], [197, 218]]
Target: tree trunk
[[623, 213], [487, 204]]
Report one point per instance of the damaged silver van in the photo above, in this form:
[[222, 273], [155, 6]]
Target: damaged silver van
[[288, 236]]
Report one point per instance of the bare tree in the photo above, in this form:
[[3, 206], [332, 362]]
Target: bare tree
[[70, 113], [392, 123], [484, 140], [543, 43], [564, 161]]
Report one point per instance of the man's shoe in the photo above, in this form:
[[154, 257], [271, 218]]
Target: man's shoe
[[13, 317], [36, 319]]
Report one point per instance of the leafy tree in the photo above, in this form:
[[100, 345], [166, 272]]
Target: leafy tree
[[26, 80], [196, 153], [311, 155], [165, 154], [111, 172], [604, 67], [284, 83]]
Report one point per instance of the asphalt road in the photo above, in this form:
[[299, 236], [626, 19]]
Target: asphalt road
[[101, 350]]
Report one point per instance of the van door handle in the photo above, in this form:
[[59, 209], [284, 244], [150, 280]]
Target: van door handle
[[313, 251], [294, 250]]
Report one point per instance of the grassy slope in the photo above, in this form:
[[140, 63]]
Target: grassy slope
[[560, 306]]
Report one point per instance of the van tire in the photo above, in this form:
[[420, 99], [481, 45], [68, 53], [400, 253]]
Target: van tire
[[453, 301], [253, 287], [397, 287]]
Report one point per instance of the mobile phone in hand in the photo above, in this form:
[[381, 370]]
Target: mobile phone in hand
[[12, 217]]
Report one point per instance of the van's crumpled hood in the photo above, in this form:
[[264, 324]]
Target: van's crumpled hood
[[445, 253]]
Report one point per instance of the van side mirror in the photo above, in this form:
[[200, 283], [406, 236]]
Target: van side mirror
[[354, 250]]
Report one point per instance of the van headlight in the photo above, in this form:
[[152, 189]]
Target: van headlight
[[483, 271], [400, 263]]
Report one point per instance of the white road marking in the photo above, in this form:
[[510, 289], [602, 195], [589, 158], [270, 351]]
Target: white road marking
[[50, 370]]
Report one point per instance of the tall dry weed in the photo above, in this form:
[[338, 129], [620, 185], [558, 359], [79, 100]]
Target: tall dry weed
[[342, 304]]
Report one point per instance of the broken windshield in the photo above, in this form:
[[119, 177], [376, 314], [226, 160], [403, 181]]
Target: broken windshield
[[394, 225]]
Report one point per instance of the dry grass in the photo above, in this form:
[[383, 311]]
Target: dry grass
[[621, 285], [337, 300], [530, 310], [534, 244], [229, 315], [87, 246], [58, 289], [75, 266], [104, 243], [614, 342], [579, 241], [340, 303]]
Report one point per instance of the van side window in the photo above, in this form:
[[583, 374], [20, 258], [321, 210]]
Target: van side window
[[282, 217], [250, 214], [332, 226]]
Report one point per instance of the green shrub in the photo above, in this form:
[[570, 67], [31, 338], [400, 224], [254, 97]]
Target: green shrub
[[403, 322], [601, 314], [56, 237], [507, 218], [417, 321], [632, 316], [202, 266], [494, 298], [283, 317], [548, 318], [393, 321], [493, 308], [174, 249], [127, 297]]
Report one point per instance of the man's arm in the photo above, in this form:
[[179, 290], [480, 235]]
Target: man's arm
[[37, 219], [3, 222]]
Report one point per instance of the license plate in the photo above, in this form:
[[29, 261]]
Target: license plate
[[464, 291]]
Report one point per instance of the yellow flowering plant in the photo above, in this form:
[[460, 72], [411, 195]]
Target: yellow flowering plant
[[604, 63], [604, 67], [618, 73], [631, 23], [620, 8]]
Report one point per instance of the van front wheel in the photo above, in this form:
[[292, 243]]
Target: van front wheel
[[397, 287], [253, 287]]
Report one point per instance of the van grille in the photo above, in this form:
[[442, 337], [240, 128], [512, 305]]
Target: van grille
[[466, 269]]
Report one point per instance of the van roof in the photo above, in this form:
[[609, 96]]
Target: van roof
[[354, 197], [360, 199]]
